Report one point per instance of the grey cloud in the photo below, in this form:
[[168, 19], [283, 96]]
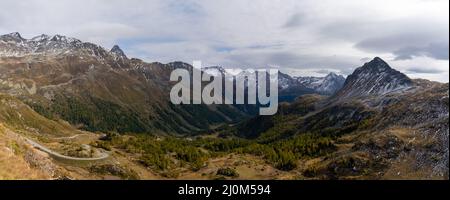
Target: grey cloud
[[392, 42], [186, 7], [346, 29], [266, 46], [323, 71], [424, 70], [435, 50], [365, 59], [296, 20], [343, 64], [406, 46], [439, 50], [404, 38]]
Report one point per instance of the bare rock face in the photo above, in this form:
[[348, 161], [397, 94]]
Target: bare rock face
[[42, 161]]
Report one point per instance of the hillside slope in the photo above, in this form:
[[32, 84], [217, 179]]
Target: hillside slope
[[100, 90], [384, 126]]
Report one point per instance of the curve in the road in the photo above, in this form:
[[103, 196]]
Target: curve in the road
[[60, 156]]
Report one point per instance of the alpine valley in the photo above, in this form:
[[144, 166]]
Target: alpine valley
[[74, 110]]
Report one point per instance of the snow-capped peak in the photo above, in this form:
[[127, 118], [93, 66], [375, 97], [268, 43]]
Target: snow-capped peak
[[328, 85], [40, 38], [15, 35], [375, 78], [332, 75], [215, 70], [117, 53], [64, 39], [58, 38], [12, 36], [13, 45]]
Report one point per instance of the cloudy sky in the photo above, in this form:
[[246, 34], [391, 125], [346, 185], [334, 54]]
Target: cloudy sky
[[305, 37]]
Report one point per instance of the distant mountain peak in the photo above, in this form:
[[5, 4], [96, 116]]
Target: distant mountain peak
[[378, 64], [15, 34], [12, 36], [375, 78], [118, 53], [58, 38], [64, 39], [215, 68], [327, 85], [377, 67], [333, 75], [13, 45], [40, 37]]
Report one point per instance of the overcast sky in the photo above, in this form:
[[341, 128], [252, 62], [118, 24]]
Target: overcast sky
[[308, 37]]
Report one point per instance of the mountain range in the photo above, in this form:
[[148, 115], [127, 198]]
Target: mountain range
[[81, 100], [85, 84], [58, 70]]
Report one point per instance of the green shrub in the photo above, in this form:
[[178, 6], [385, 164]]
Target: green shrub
[[229, 172]]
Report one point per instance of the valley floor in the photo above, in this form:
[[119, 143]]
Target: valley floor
[[21, 160]]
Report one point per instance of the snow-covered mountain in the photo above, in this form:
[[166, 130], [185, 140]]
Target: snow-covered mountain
[[117, 53], [327, 85], [375, 78], [291, 87], [14, 45], [48, 71]]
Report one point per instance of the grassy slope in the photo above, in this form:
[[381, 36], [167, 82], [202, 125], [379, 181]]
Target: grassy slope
[[15, 157]]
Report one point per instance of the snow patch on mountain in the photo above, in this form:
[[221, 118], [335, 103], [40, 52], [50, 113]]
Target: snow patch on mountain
[[14, 45], [327, 85]]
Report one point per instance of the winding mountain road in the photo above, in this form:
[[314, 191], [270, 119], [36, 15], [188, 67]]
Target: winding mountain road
[[60, 156]]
